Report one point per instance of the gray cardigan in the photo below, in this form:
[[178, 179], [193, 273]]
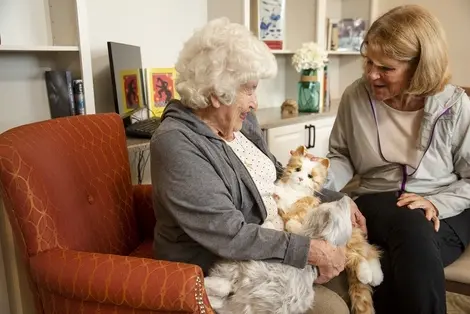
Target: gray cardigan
[[206, 204]]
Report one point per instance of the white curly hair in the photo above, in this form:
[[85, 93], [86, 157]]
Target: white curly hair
[[217, 60]]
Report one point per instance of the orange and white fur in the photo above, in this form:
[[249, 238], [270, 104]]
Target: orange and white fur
[[294, 194]]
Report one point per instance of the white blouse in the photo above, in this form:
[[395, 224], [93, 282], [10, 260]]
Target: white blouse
[[399, 132], [263, 173]]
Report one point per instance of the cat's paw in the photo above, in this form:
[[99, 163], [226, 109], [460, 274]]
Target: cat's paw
[[217, 286], [364, 273], [377, 273], [293, 226], [268, 225]]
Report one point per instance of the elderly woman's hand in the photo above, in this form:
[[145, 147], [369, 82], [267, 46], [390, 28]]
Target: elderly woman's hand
[[329, 259], [414, 201]]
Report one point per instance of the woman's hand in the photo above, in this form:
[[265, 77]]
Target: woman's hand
[[329, 259], [357, 219], [414, 201]]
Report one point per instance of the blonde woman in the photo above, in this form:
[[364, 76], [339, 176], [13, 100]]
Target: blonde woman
[[403, 131]]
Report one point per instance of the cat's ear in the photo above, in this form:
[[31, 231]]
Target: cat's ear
[[325, 162], [300, 151]]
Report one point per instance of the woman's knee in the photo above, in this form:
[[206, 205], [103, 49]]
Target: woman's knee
[[327, 302], [411, 224]]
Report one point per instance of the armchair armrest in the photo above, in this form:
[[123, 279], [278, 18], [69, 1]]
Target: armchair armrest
[[143, 208], [138, 283]]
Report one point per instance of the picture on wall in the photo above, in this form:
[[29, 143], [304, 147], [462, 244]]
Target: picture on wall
[[271, 23], [131, 89], [161, 88], [346, 34]]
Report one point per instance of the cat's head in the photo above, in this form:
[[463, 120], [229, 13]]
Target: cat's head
[[304, 172], [330, 221]]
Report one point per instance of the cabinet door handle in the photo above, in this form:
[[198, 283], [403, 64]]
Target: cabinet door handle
[[312, 127], [307, 127]]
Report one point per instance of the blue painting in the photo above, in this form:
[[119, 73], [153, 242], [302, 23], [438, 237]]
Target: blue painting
[[271, 22]]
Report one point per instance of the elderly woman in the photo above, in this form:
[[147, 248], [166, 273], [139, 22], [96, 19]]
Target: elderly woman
[[212, 172], [403, 131]]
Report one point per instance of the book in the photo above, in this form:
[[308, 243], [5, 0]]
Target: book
[[59, 87]]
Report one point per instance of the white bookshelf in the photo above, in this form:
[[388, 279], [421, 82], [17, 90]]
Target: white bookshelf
[[343, 53], [283, 52], [305, 21], [40, 35], [39, 48]]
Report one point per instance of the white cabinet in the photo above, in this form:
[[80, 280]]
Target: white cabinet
[[314, 134], [282, 139], [319, 136]]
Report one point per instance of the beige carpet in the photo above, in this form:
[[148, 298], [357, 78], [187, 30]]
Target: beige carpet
[[457, 304]]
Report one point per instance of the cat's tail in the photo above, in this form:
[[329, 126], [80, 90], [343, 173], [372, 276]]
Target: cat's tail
[[359, 273], [360, 295]]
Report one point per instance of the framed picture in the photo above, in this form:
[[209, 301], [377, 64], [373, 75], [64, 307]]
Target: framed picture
[[131, 89], [271, 23], [346, 34], [160, 88]]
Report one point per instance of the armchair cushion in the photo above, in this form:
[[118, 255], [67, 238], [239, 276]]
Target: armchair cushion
[[143, 208], [145, 249], [133, 282]]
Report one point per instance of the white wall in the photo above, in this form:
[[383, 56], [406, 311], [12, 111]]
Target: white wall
[[159, 27], [455, 18]]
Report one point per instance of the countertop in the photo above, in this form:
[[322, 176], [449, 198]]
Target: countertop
[[134, 143], [269, 118]]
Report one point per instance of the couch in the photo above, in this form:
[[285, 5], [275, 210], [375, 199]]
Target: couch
[[458, 273], [85, 232]]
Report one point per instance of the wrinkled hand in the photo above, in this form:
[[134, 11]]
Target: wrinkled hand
[[329, 259], [357, 219], [414, 201]]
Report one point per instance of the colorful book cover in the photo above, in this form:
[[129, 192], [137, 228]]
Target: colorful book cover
[[131, 89], [161, 88]]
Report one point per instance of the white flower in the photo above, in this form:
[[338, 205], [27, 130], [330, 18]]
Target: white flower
[[309, 56]]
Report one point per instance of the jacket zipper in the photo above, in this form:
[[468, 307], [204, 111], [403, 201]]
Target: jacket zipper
[[403, 180], [405, 172]]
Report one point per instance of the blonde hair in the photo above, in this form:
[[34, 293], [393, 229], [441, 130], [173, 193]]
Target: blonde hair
[[412, 34], [217, 60]]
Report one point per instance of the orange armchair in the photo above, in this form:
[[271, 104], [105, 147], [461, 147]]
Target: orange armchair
[[84, 230]]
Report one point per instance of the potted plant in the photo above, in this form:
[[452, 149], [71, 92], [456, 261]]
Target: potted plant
[[307, 60]]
